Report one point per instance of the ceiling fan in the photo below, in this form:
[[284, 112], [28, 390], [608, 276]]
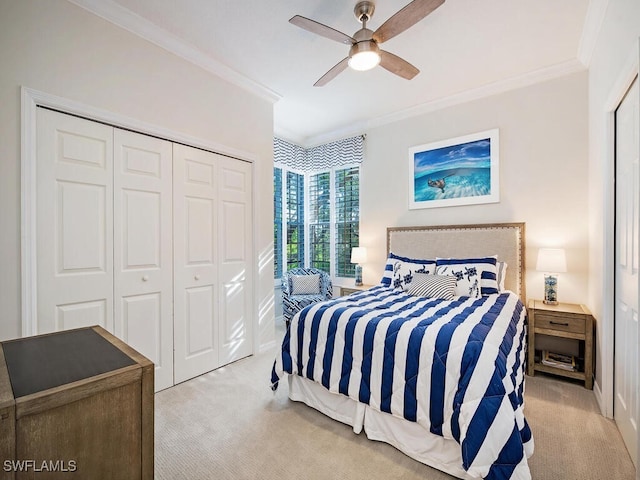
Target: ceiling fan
[[365, 53]]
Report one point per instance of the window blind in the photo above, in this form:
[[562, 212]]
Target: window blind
[[295, 220], [347, 228], [277, 222], [320, 221]]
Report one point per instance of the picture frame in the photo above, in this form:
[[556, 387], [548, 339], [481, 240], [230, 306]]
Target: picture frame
[[458, 171]]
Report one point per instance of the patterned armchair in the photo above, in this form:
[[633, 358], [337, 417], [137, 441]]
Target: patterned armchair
[[302, 287]]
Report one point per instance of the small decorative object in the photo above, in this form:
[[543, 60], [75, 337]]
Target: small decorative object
[[459, 171], [358, 256], [551, 261]]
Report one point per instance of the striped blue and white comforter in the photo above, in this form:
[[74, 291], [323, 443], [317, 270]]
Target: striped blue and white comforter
[[455, 367]]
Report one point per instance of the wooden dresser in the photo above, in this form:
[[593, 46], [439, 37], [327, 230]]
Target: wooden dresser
[[75, 404]]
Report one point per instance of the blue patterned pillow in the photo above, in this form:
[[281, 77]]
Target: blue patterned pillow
[[399, 271], [476, 276]]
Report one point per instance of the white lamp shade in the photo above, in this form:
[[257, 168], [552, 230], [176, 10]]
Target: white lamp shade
[[358, 255], [551, 260]]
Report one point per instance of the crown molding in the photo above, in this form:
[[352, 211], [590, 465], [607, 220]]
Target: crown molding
[[126, 19], [513, 83], [593, 22], [285, 134]]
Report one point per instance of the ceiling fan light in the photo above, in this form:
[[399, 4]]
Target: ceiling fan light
[[366, 60]]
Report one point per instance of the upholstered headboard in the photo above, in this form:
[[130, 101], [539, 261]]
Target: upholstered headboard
[[507, 240]]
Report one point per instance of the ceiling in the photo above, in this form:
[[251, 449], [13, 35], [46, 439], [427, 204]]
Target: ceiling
[[465, 49]]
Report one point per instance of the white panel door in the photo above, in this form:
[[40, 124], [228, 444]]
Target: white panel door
[[235, 241], [74, 223], [143, 269], [626, 276], [196, 285]]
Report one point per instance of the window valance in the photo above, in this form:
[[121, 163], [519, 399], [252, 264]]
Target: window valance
[[348, 151]]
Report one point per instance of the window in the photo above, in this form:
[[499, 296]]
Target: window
[[295, 220], [347, 200], [332, 199], [277, 222], [320, 221]]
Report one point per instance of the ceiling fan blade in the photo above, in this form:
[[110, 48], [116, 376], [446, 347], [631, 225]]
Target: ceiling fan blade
[[397, 65], [333, 73], [321, 29], [405, 18]]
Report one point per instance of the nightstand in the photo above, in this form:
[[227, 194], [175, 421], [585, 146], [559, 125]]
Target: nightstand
[[349, 290], [565, 320]]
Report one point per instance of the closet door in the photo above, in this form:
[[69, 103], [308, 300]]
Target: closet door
[[143, 287], [627, 357], [196, 285], [235, 241], [74, 224]]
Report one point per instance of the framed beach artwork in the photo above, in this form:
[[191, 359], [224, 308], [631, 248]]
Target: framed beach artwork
[[459, 171]]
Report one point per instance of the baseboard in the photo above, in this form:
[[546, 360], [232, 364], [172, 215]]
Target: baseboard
[[597, 391]]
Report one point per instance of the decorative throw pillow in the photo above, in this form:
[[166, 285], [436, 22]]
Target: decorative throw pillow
[[432, 286], [502, 274], [399, 271], [305, 284], [476, 276]]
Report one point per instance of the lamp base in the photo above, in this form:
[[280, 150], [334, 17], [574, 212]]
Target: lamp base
[[358, 275], [550, 289]]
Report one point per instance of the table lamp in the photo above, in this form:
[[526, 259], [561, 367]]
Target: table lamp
[[358, 256], [551, 261]]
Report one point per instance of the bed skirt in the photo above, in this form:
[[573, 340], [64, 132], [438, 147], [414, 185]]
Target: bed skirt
[[410, 438]]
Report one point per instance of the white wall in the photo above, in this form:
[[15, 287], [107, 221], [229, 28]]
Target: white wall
[[543, 175], [58, 48], [617, 44]]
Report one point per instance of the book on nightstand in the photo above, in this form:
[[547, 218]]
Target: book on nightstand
[[559, 360]]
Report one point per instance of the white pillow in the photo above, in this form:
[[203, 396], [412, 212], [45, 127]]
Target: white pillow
[[399, 271], [476, 276], [305, 284], [502, 274], [432, 286]]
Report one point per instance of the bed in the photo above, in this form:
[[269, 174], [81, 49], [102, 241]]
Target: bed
[[432, 366]]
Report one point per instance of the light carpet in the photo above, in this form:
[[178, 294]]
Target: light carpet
[[228, 424]]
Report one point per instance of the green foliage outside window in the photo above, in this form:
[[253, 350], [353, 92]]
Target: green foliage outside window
[[347, 227], [277, 222], [320, 221], [295, 220]]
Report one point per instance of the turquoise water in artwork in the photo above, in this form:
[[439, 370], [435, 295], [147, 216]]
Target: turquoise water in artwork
[[454, 171], [452, 183]]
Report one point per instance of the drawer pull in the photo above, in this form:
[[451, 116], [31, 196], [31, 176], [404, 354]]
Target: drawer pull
[[562, 324]]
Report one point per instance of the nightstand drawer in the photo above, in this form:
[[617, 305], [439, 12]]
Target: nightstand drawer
[[573, 324], [347, 291]]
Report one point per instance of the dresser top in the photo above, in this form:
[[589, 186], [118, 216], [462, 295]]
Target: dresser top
[[42, 362]]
